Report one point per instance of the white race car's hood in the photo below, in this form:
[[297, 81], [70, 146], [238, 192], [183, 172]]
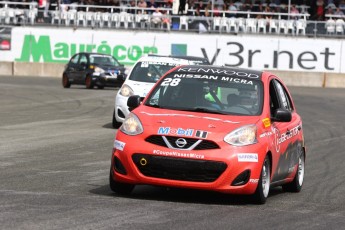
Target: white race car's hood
[[140, 88]]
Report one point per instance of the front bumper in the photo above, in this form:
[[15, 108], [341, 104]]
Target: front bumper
[[107, 79], [216, 169]]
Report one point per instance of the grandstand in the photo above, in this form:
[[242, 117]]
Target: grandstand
[[289, 18]]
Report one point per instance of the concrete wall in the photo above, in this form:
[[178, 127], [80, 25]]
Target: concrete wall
[[6, 68], [333, 80], [307, 79], [37, 69], [31, 69]]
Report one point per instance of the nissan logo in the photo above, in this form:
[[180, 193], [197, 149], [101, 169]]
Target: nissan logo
[[181, 142]]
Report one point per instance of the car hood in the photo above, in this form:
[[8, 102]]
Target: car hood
[[140, 88], [111, 67], [187, 124]]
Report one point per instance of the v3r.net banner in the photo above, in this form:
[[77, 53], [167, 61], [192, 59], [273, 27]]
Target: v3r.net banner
[[245, 51]]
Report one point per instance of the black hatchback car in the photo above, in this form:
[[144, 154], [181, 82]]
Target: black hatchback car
[[93, 69]]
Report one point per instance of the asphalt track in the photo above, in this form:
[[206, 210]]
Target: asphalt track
[[55, 147]]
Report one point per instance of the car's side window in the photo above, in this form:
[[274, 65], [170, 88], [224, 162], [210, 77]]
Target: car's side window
[[75, 59], [284, 97], [274, 101], [83, 59]]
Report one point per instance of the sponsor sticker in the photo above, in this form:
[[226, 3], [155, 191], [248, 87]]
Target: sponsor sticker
[[215, 77], [266, 134], [178, 131], [182, 132], [119, 145], [144, 65], [178, 154], [281, 138], [201, 134], [253, 181], [219, 71], [266, 122], [247, 157]]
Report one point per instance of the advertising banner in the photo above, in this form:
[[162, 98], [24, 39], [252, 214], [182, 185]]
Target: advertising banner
[[5, 38], [244, 51]]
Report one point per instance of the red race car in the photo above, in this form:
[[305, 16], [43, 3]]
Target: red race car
[[212, 128]]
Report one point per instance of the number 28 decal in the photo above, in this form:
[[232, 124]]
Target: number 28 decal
[[171, 82]]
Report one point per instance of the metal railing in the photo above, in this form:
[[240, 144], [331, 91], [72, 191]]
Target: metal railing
[[135, 18]]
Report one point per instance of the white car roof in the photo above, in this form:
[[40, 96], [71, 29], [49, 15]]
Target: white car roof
[[165, 60]]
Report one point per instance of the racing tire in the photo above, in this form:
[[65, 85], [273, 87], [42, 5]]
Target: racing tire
[[88, 83], [116, 124], [263, 188], [297, 183], [65, 81], [118, 187], [100, 86]]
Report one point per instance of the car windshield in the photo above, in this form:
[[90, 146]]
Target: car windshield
[[150, 71], [103, 60], [209, 94]]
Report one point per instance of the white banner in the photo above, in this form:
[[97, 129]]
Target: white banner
[[244, 51]]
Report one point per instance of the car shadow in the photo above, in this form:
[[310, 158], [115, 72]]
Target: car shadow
[[108, 126], [146, 192], [82, 87]]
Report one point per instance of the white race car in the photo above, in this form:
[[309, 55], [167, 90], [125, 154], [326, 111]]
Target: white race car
[[143, 76]]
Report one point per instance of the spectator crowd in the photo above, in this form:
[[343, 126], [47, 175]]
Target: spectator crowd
[[317, 9]]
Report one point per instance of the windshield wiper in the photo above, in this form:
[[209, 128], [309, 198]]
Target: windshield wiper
[[203, 110], [154, 106]]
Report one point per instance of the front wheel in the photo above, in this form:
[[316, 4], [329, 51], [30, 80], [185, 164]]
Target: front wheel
[[65, 81], [261, 193], [296, 184], [118, 187], [88, 83], [116, 124]]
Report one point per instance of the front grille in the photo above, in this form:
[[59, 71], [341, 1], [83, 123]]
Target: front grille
[[156, 140], [203, 145], [178, 169], [111, 80], [206, 145]]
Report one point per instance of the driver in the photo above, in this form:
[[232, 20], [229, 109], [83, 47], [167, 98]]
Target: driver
[[153, 76], [208, 98], [245, 102]]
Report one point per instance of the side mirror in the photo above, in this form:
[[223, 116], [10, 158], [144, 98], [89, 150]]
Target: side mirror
[[121, 78], [133, 102], [282, 115]]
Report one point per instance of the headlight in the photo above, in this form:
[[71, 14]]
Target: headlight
[[132, 125], [99, 70], [126, 91], [246, 135]]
